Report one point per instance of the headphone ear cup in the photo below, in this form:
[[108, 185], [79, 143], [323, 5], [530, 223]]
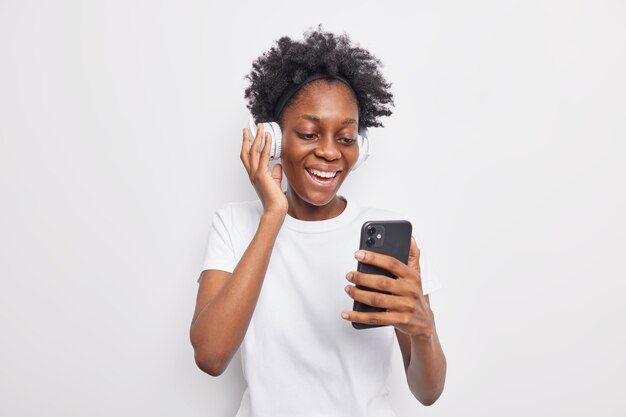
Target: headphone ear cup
[[364, 149], [277, 139], [274, 129]]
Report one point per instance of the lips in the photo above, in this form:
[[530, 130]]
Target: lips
[[322, 174], [323, 177]]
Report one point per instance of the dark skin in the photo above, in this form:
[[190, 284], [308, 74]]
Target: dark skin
[[320, 127], [319, 130]]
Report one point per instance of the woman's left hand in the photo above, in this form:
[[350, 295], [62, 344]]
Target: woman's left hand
[[407, 308]]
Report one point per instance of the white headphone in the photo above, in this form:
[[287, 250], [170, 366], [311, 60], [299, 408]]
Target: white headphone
[[274, 129]]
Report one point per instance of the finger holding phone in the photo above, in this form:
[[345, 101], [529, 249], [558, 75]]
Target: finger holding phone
[[403, 298], [256, 161]]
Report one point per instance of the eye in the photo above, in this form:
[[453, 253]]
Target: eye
[[347, 141], [306, 136]]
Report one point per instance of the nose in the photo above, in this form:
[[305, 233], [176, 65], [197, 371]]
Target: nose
[[327, 148]]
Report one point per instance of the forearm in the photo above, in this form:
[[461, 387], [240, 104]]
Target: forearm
[[426, 373], [220, 327]]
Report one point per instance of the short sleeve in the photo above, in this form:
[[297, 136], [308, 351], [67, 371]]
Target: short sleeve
[[430, 279], [219, 249]]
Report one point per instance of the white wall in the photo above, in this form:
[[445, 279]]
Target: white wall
[[120, 127]]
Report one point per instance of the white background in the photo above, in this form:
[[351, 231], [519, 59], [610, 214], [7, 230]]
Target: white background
[[120, 127]]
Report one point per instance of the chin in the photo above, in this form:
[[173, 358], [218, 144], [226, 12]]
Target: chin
[[321, 200], [316, 197], [315, 190]]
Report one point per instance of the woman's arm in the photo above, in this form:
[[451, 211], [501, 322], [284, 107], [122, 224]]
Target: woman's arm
[[408, 310], [226, 301], [220, 323], [425, 365]]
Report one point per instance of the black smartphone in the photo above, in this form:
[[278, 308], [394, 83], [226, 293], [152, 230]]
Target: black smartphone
[[389, 237]]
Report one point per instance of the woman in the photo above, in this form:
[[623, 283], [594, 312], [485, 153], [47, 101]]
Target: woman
[[273, 275]]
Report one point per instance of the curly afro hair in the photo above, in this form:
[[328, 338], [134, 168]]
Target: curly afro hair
[[290, 62]]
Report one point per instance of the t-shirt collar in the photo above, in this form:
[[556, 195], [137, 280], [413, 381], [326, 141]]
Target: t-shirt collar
[[318, 226]]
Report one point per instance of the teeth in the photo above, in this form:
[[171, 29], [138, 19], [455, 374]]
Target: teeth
[[322, 173]]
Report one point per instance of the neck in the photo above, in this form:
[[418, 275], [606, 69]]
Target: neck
[[303, 210]]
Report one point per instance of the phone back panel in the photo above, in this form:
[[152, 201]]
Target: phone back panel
[[396, 243]]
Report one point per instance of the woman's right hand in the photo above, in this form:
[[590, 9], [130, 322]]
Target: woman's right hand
[[256, 161]]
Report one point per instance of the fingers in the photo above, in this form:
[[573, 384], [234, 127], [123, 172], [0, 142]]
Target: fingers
[[265, 154], [386, 262], [256, 147], [376, 299], [245, 149], [414, 255], [277, 173], [383, 283], [250, 153], [385, 317], [400, 295]]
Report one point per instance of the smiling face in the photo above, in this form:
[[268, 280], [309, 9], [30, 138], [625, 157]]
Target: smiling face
[[319, 145]]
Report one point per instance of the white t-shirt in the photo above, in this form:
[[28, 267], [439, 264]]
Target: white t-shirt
[[300, 358]]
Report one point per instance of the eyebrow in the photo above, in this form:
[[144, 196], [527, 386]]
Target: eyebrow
[[312, 118]]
